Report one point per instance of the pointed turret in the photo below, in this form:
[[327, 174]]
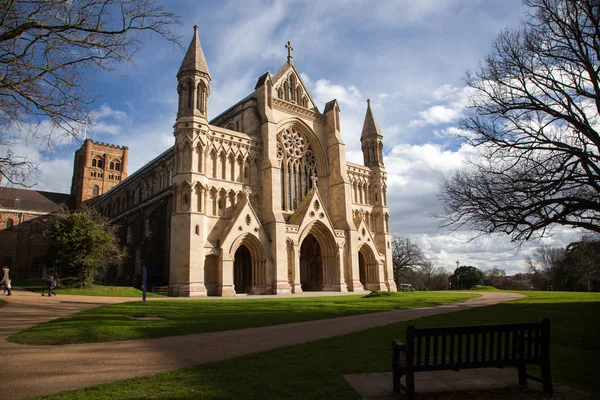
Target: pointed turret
[[194, 81], [372, 140], [194, 60]]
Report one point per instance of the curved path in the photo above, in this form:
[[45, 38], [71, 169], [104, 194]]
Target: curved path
[[38, 370]]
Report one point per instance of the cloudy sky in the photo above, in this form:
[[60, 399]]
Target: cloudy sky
[[409, 57]]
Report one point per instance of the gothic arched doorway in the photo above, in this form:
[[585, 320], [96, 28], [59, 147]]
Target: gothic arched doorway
[[311, 267], [368, 268], [242, 270], [362, 272]]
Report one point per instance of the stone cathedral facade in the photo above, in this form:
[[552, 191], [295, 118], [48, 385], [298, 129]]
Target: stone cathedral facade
[[258, 200]]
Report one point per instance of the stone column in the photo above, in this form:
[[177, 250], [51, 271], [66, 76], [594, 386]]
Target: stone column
[[297, 288], [225, 287], [341, 268]]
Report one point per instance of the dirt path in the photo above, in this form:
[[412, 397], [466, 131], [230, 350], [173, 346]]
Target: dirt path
[[38, 370]]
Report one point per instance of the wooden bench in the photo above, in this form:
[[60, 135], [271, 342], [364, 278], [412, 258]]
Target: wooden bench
[[163, 290], [483, 346]]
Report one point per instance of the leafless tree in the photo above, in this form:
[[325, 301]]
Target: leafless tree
[[405, 256], [534, 115], [496, 276], [582, 261], [547, 267], [48, 52], [430, 277]]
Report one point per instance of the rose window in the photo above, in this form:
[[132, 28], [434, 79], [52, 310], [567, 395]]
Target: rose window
[[293, 142], [298, 165]]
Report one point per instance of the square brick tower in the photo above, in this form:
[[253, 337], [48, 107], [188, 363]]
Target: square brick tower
[[97, 168]]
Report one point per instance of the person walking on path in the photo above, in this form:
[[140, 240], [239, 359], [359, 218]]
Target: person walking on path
[[5, 280], [51, 286]]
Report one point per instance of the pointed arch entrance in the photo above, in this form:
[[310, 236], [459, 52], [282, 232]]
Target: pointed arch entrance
[[319, 263], [249, 265], [311, 266], [242, 270], [368, 268]]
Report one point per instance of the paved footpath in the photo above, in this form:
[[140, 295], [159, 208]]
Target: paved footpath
[[38, 370]]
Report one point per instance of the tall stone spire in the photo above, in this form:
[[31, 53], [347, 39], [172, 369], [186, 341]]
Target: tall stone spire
[[372, 140], [194, 60], [370, 126], [193, 81]]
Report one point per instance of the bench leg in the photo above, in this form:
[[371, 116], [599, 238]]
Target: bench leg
[[395, 375], [546, 377], [410, 386], [522, 374]]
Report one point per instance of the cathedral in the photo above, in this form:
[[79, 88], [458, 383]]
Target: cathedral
[[258, 200]]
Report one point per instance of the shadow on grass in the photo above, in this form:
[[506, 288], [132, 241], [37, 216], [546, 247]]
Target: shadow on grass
[[114, 322], [315, 370]]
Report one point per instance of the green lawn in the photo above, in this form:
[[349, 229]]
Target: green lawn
[[481, 288], [40, 285], [116, 322], [315, 370]]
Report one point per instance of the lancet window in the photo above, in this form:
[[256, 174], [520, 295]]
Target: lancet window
[[297, 165]]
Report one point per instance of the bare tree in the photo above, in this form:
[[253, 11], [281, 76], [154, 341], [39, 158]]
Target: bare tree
[[547, 267], [496, 276], [534, 115], [405, 256], [48, 51], [582, 262], [429, 277]]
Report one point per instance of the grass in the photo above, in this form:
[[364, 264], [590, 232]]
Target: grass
[[481, 288], [40, 285], [115, 322], [315, 370]]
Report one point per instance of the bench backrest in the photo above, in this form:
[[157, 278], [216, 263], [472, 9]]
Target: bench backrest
[[483, 345]]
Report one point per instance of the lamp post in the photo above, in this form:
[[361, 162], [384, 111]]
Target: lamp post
[[456, 275]]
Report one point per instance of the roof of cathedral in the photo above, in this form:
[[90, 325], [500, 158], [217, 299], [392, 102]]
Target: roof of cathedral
[[370, 126], [34, 200], [194, 57]]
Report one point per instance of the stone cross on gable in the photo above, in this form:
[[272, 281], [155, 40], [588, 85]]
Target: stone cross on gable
[[314, 180], [247, 192], [289, 48]]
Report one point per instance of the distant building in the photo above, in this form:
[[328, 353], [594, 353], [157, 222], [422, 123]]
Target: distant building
[[259, 200], [23, 213]]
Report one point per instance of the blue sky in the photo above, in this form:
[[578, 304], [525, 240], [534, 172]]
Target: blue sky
[[408, 57]]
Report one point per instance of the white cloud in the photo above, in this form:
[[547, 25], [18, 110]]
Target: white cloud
[[456, 100], [105, 111]]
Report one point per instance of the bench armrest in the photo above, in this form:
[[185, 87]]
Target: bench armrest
[[398, 345]]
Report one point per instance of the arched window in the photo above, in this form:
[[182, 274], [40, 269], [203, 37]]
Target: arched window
[[97, 162], [292, 87], [190, 95], [117, 166], [286, 90], [298, 164], [279, 93], [95, 190], [9, 223], [112, 165]]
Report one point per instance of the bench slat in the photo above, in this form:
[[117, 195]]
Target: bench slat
[[451, 360], [418, 351], [444, 340], [435, 349], [427, 349]]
